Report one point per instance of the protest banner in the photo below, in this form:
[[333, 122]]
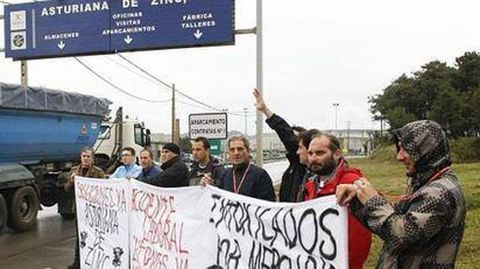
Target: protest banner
[[102, 219], [170, 228], [205, 227], [252, 233]]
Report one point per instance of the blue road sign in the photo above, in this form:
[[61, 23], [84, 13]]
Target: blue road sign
[[81, 27]]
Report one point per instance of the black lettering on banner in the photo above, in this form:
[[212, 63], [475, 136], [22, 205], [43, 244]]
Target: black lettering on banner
[[230, 253], [101, 218], [261, 225], [215, 198], [329, 232], [311, 263], [291, 241], [96, 256], [271, 229], [306, 213], [277, 229]]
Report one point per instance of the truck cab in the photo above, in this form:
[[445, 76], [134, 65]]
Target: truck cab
[[115, 135]]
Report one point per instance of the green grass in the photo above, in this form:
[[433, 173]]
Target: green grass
[[388, 177]]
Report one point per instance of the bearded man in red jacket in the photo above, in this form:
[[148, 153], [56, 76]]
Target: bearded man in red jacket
[[328, 169]]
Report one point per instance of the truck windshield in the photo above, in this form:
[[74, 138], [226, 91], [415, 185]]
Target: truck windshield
[[104, 133]]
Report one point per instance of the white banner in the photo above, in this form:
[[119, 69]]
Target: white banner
[[253, 233], [199, 227], [102, 217], [170, 228]]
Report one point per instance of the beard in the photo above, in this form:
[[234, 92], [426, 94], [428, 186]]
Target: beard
[[325, 169]]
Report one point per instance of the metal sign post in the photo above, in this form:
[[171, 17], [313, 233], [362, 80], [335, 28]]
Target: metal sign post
[[259, 158]]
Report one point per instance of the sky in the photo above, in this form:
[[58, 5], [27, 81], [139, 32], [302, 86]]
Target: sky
[[316, 53]]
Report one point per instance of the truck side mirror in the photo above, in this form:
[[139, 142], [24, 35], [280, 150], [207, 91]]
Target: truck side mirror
[[147, 138]]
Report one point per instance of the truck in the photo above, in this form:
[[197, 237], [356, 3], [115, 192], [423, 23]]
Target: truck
[[41, 136], [117, 134]]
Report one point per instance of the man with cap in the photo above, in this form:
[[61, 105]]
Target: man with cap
[[425, 228], [175, 171]]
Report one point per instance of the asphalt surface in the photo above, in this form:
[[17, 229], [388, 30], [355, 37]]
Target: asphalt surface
[[49, 245]]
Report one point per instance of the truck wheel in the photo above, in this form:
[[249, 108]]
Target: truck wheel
[[23, 209], [3, 213], [48, 194]]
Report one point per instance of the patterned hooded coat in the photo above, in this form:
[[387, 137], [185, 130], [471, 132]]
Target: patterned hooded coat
[[425, 228]]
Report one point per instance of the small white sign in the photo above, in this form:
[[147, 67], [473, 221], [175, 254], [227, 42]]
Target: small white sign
[[209, 125], [18, 40], [18, 20]]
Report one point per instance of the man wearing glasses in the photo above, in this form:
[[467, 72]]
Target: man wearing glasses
[[129, 169]]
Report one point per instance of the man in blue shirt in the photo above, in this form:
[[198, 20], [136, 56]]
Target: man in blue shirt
[[149, 169], [129, 169]]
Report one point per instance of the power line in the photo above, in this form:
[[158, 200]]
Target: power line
[[192, 105], [226, 111], [170, 87], [116, 87], [130, 69]]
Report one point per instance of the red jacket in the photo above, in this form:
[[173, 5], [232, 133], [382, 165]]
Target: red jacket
[[359, 237]]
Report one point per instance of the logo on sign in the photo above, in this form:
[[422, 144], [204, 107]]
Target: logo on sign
[[18, 20], [18, 41]]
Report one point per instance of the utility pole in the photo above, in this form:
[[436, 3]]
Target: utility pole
[[176, 138], [335, 106], [245, 111], [173, 113], [259, 159]]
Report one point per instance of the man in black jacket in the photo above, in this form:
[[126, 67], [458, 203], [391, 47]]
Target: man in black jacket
[[297, 150], [204, 163], [244, 177], [175, 171]]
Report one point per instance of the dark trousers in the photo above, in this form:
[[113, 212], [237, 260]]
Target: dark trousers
[[76, 261]]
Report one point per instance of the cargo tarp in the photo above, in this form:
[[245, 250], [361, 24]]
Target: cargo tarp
[[39, 98]]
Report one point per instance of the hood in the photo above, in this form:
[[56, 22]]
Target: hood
[[427, 144]]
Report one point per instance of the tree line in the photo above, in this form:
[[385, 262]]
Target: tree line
[[447, 95]]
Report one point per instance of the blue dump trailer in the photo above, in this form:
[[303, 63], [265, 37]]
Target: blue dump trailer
[[41, 134]]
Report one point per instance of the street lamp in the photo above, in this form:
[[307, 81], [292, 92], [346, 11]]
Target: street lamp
[[335, 105]]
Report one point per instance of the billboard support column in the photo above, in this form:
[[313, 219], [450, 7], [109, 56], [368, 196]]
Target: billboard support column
[[259, 121], [24, 73]]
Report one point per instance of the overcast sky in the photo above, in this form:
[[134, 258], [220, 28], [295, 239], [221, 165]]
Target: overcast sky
[[316, 53]]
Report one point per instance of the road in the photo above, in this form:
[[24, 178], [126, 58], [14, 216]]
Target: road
[[51, 243]]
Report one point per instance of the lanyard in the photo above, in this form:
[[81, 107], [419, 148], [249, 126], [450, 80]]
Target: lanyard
[[439, 173], [235, 188], [434, 177]]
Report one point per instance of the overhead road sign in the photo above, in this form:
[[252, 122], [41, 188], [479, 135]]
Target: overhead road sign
[[83, 27], [208, 125]]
